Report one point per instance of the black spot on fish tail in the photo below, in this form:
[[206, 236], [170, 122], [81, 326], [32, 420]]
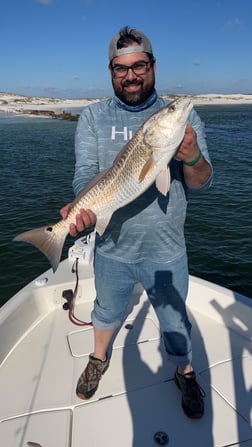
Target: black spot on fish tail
[[48, 240]]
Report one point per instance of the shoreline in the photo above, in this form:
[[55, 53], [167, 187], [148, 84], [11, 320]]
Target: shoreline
[[220, 99], [69, 109]]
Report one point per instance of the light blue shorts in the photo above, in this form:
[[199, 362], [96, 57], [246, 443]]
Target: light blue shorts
[[166, 286]]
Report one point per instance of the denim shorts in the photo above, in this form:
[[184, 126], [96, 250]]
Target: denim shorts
[[166, 285]]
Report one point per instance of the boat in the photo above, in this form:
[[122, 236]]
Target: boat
[[46, 338]]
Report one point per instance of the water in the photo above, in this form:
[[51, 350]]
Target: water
[[219, 223], [37, 164]]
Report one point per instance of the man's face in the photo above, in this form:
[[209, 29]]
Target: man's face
[[133, 88]]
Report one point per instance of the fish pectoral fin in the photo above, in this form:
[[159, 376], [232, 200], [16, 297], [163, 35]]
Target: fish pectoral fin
[[163, 181], [147, 168], [102, 223]]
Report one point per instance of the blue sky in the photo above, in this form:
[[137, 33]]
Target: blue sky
[[59, 48]]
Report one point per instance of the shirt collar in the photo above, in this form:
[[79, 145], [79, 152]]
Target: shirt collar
[[144, 105]]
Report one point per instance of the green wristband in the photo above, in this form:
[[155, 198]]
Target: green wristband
[[194, 161]]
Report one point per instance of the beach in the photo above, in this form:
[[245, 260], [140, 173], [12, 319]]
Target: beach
[[42, 106], [67, 108]]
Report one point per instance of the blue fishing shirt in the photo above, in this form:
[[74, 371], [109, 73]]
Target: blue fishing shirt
[[152, 226]]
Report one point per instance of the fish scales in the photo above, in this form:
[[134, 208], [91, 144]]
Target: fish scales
[[121, 181]]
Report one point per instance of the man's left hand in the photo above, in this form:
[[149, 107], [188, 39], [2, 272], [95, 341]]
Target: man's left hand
[[188, 148]]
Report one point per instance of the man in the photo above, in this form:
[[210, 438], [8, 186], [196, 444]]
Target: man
[[144, 241]]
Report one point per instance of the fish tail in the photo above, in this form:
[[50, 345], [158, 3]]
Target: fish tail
[[47, 240]]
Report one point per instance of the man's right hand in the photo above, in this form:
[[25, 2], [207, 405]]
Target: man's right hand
[[84, 219]]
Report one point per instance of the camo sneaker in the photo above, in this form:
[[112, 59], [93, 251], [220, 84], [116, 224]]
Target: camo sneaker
[[192, 394], [91, 376]]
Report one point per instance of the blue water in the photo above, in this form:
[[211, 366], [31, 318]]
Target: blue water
[[37, 164]]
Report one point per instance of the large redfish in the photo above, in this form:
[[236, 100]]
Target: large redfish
[[141, 162]]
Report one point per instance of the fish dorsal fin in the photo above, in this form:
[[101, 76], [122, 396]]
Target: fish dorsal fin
[[163, 181], [102, 223], [147, 168]]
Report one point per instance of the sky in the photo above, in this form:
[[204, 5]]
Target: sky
[[59, 48]]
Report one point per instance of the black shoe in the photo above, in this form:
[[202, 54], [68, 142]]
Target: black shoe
[[89, 380], [192, 394]]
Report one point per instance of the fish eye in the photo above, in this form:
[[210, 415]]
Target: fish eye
[[172, 107]]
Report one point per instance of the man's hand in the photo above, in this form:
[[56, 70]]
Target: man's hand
[[85, 219], [198, 173], [188, 149]]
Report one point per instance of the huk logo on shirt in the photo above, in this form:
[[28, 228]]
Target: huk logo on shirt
[[127, 134]]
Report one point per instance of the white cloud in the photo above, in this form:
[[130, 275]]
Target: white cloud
[[196, 62], [232, 24], [46, 2], [75, 78], [179, 86]]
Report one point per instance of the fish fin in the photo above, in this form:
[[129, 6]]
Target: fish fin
[[47, 240], [163, 181], [102, 223], [147, 168]]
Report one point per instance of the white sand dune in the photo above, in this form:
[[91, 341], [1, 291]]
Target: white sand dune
[[221, 99], [12, 103]]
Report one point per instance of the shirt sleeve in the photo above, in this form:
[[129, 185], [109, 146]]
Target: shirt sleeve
[[86, 152]]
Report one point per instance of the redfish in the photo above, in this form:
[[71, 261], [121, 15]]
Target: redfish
[[141, 162]]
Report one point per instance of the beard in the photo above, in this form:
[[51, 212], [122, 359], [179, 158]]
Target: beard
[[133, 98]]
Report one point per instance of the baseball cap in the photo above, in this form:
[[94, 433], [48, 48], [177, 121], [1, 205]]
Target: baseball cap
[[144, 46]]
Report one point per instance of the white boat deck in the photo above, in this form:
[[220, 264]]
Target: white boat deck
[[137, 403]]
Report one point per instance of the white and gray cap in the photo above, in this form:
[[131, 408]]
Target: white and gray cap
[[144, 46]]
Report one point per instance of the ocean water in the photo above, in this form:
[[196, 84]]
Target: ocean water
[[37, 164]]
